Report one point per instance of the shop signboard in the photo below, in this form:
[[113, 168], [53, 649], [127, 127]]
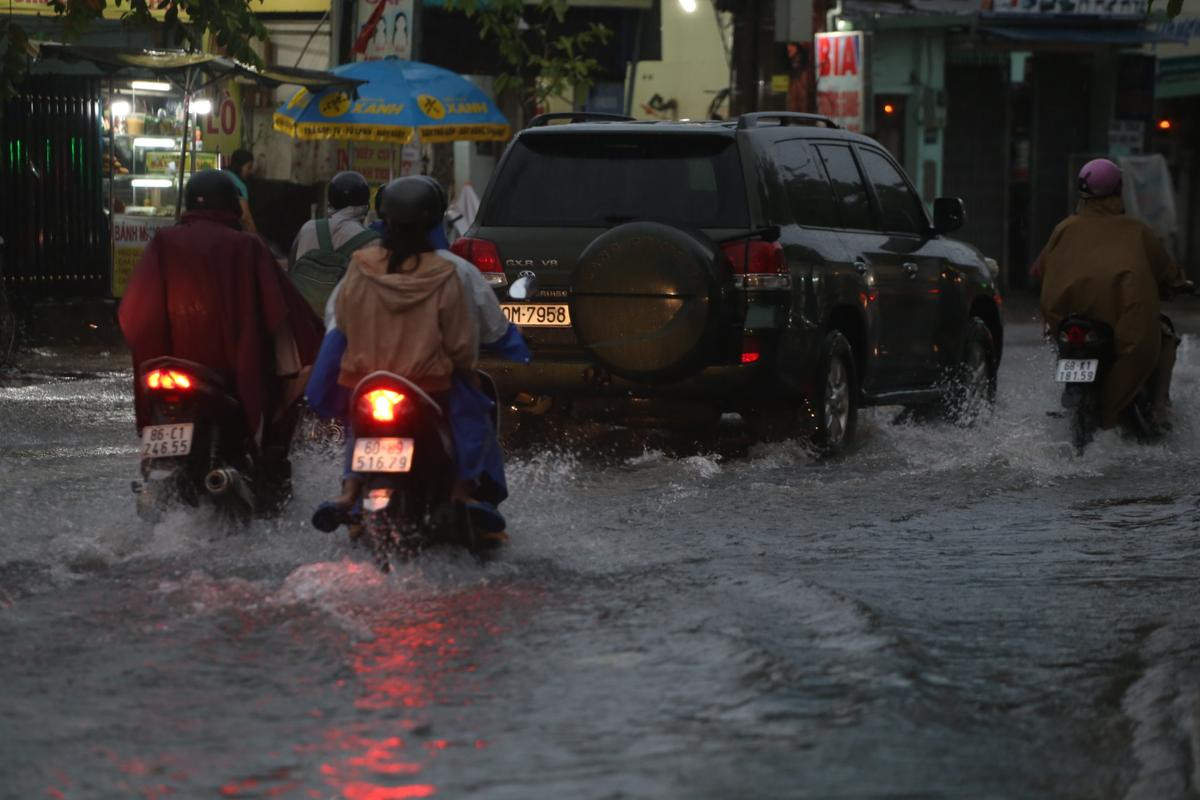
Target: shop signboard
[[392, 37], [1113, 9], [378, 162], [840, 73], [164, 162], [131, 234], [158, 8], [1179, 60], [222, 127]]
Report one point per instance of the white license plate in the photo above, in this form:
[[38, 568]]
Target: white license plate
[[167, 441], [546, 315], [1077, 370], [383, 455]]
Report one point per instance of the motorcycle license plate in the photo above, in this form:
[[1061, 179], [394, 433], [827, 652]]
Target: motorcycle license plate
[[538, 315], [1077, 370], [167, 441], [383, 455]]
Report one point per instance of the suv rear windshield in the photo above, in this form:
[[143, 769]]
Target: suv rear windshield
[[597, 181]]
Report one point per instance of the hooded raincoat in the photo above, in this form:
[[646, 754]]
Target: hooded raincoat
[[1112, 268], [207, 292], [415, 322]]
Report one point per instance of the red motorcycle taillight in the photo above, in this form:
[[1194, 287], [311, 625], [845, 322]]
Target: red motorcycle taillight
[[380, 404], [168, 380], [1076, 336]]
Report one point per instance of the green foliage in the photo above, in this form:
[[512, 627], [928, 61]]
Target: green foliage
[[1174, 7], [540, 62], [15, 42], [176, 24]]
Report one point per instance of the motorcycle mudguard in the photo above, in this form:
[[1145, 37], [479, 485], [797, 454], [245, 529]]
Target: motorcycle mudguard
[[1074, 393], [377, 499]]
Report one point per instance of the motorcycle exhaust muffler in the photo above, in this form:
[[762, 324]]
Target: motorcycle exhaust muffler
[[224, 480], [220, 481]]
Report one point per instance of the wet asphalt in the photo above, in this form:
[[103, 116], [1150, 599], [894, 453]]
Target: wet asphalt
[[943, 612]]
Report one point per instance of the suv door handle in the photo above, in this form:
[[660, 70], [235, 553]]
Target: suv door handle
[[911, 269], [861, 266]]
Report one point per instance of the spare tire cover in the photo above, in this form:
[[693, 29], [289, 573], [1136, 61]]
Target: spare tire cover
[[646, 301]]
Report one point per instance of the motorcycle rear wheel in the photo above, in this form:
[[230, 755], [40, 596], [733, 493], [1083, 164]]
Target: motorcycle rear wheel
[[379, 533], [1085, 419]]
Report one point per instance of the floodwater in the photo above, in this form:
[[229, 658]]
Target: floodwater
[[943, 613]]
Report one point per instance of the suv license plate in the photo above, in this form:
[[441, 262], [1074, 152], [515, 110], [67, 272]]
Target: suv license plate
[[383, 455], [544, 315], [167, 441], [1077, 370]]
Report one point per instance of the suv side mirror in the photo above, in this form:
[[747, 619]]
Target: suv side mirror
[[949, 214]]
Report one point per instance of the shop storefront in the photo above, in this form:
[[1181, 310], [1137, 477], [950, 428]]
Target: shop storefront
[[99, 150], [143, 130]]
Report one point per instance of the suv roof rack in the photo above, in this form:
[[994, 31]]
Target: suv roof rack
[[785, 118], [542, 120]]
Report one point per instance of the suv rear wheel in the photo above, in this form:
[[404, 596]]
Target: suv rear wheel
[[836, 394], [971, 388]]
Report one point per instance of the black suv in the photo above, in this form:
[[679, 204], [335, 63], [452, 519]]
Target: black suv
[[773, 265]]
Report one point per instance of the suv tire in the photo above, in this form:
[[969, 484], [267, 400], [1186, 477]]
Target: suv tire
[[648, 301], [835, 398], [971, 387]]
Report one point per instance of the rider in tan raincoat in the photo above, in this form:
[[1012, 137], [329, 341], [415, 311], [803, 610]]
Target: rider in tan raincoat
[[1112, 268]]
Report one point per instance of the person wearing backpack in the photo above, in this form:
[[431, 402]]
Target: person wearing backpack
[[322, 249]]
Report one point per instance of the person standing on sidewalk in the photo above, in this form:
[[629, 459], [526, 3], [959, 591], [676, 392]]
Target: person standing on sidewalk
[[240, 167]]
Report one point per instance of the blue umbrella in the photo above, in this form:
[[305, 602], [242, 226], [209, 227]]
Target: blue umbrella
[[398, 99]]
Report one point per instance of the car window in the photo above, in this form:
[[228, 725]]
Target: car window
[[853, 206], [808, 190], [606, 179], [900, 209]]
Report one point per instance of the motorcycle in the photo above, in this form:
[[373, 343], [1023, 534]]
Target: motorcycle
[[195, 448], [1085, 355], [404, 454]]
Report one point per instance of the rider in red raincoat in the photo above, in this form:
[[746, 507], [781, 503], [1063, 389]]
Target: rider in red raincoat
[[207, 292]]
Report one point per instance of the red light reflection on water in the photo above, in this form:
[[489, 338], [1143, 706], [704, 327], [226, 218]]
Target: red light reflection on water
[[423, 655]]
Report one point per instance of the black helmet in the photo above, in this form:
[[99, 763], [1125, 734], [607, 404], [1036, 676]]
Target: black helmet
[[415, 202], [212, 189], [348, 189], [436, 184]]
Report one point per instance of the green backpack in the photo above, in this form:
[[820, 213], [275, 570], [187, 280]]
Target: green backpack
[[316, 272]]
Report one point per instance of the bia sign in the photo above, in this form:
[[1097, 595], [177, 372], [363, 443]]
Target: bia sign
[[840, 73]]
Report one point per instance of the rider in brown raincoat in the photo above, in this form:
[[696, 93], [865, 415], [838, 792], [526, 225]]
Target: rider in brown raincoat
[[1112, 268]]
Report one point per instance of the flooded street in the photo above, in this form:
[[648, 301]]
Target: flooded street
[[944, 612]]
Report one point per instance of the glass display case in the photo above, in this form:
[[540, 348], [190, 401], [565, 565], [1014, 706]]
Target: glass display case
[[142, 141], [143, 130]]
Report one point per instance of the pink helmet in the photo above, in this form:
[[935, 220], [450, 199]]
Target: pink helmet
[[1099, 178]]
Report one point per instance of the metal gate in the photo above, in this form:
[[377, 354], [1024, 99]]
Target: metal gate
[[53, 223]]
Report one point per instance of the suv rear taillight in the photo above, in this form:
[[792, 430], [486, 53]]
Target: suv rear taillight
[[484, 255], [758, 265]]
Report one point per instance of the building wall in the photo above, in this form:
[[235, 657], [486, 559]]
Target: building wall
[[277, 155], [912, 63], [693, 67]]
